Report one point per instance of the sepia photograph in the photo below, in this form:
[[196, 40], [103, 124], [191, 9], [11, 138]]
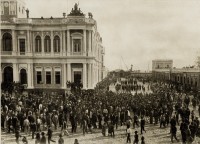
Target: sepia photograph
[[100, 71]]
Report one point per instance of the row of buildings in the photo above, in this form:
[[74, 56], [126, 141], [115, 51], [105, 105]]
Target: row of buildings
[[48, 52], [185, 78]]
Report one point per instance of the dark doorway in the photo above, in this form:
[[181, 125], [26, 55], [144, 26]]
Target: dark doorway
[[23, 76], [8, 75], [77, 77]]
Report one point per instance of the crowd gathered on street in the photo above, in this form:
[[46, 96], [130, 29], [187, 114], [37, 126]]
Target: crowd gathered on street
[[40, 115]]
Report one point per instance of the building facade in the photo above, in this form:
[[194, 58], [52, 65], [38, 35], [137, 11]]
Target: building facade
[[186, 78], [162, 64], [48, 52]]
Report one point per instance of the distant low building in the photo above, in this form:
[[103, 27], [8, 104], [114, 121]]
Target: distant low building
[[188, 78], [141, 74], [162, 64]]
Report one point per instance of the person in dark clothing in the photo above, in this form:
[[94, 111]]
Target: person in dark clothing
[[14, 123], [33, 129], [43, 138], [60, 140], [135, 120], [37, 138], [111, 129], [173, 133], [60, 119], [142, 124], [49, 134], [162, 121], [122, 115], [84, 125], [24, 140], [183, 129], [172, 123], [17, 136], [9, 123], [142, 140], [99, 120], [73, 122], [192, 128], [94, 120], [116, 120], [136, 139]]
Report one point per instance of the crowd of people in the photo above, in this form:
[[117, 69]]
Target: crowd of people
[[34, 114]]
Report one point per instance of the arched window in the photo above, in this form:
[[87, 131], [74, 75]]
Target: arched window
[[38, 45], [7, 42], [56, 44], [23, 76], [47, 44]]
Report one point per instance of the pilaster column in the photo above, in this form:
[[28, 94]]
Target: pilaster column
[[42, 39], [90, 43], [14, 50], [84, 43], [64, 44], [69, 75], [93, 44], [97, 73], [89, 76], [84, 76], [68, 42], [15, 72], [64, 78], [28, 41], [33, 43], [52, 48], [30, 76], [61, 45], [92, 75]]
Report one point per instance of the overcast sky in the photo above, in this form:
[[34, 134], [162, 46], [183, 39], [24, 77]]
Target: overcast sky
[[137, 31]]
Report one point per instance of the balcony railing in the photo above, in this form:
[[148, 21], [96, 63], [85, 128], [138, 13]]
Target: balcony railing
[[49, 21], [6, 52], [22, 53], [76, 53]]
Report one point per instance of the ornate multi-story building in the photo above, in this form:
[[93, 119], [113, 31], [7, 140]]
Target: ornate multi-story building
[[48, 52]]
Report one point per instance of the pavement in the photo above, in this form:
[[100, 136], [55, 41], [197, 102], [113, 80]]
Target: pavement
[[153, 135]]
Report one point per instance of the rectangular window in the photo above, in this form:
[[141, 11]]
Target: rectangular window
[[48, 77], [22, 46], [57, 77], [77, 45], [39, 77]]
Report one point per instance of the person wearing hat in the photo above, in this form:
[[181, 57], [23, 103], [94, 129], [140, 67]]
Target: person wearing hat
[[136, 139], [60, 140]]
